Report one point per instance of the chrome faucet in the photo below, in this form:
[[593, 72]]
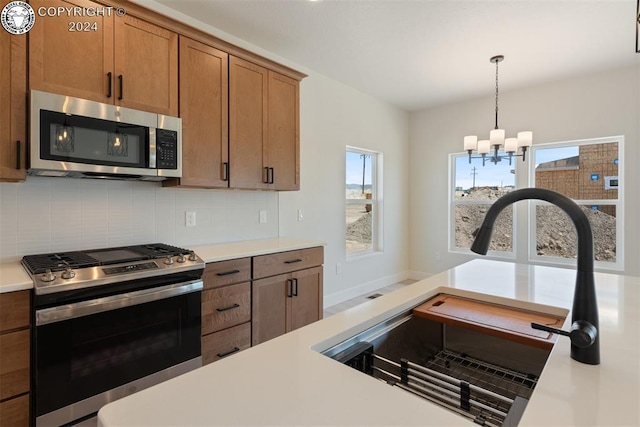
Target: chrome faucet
[[584, 334]]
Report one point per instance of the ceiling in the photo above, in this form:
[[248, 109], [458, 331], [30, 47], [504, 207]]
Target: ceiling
[[422, 53]]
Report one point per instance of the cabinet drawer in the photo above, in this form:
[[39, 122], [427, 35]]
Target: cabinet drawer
[[285, 262], [225, 343], [14, 310], [15, 412], [225, 307], [224, 273], [14, 363]]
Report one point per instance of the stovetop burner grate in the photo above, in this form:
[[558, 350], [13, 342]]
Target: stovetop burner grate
[[38, 264]]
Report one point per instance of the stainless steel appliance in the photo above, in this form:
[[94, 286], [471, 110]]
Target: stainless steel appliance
[[79, 138], [109, 322]]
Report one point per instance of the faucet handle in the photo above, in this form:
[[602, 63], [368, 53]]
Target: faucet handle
[[582, 333]]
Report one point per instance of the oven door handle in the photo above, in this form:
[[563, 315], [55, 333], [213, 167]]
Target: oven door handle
[[100, 305]]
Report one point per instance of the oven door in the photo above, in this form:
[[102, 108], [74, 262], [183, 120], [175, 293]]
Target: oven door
[[92, 352]]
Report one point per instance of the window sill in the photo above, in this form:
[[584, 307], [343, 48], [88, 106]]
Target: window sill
[[355, 256]]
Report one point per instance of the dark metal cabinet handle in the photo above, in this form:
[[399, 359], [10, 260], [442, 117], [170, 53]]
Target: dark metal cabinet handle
[[295, 292], [228, 353], [227, 273], [109, 75], [289, 288], [18, 155], [266, 175], [225, 171], [120, 82], [293, 261], [272, 176], [231, 307]]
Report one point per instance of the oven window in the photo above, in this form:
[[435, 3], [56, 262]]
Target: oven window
[[82, 357]]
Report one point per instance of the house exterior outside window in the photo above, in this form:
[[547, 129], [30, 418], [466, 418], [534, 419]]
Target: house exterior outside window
[[363, 202]]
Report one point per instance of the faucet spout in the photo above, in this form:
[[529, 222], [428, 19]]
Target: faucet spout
[[585, 306]]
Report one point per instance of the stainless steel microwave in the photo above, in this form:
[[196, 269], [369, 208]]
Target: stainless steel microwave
[[79, 138]]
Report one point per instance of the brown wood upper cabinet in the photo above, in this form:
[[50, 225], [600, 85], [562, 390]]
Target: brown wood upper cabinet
[[13, 106], [204, 111], [125, 61], [264, 138]]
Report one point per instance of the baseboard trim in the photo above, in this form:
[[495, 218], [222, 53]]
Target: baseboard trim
[[418, 275], [365, 288]]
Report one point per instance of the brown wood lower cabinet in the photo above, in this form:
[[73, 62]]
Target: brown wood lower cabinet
[[15, 412], [15, 339], [285, 302], [247, 301]]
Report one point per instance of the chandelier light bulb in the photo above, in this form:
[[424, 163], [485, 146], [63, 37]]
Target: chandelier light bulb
[[496, 137], [511, 145], [470, 142], [484, 146]]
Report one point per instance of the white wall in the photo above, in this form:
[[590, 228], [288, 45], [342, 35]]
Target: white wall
[[332, 117], [597, 105]]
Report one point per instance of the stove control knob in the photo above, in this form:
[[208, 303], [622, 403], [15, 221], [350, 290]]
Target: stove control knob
[[68, 273], [181, 258], [192, 256], [48, 276], [169, 260]]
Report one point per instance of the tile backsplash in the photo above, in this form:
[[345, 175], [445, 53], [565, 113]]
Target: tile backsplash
[[54, 214]]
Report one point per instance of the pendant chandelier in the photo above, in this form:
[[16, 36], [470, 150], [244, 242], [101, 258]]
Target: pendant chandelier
[[497, 137]]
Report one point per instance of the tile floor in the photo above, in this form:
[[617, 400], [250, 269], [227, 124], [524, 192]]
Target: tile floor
[[329, 311]]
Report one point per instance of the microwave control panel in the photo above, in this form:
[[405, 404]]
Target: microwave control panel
[[166, 149]]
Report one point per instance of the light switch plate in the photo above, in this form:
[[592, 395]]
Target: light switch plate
[[263, 216], [300, 215]]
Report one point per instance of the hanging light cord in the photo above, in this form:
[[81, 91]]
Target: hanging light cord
[[497, 94]]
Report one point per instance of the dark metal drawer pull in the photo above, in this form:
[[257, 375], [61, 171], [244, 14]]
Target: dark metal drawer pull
[[293, 261], [229, 353], [289, 288], [225, 174], [231, 307], [295, 292], [226, 273], [18, 155]]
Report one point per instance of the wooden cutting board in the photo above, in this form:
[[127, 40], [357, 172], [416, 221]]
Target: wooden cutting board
[[493, 319]]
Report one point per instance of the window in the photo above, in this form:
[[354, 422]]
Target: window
[[588, 172], [363, 202], [474, 190]]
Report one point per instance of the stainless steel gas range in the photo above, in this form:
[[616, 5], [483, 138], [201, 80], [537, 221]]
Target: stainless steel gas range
[[109, 322]]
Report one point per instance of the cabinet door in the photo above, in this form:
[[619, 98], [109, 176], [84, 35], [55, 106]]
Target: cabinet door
[[146, 66], [306, 305], [269, 308], [69, 62], [13, 106], [284, 132], [247, 124], [203, 109]]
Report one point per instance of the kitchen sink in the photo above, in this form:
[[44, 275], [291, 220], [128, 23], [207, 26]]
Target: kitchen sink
[[475, 358]]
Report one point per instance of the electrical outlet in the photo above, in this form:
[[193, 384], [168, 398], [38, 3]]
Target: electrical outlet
[[263, 216], [190, 219], [300, 215]]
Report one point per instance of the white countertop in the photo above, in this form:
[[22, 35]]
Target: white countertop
[[285, 381], [13, 277]]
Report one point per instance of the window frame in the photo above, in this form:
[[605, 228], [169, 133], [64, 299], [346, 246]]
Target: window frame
[[453, 203], [533, 256], [376, 202]]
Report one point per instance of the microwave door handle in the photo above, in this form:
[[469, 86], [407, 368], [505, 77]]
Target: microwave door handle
[[100, 305]]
